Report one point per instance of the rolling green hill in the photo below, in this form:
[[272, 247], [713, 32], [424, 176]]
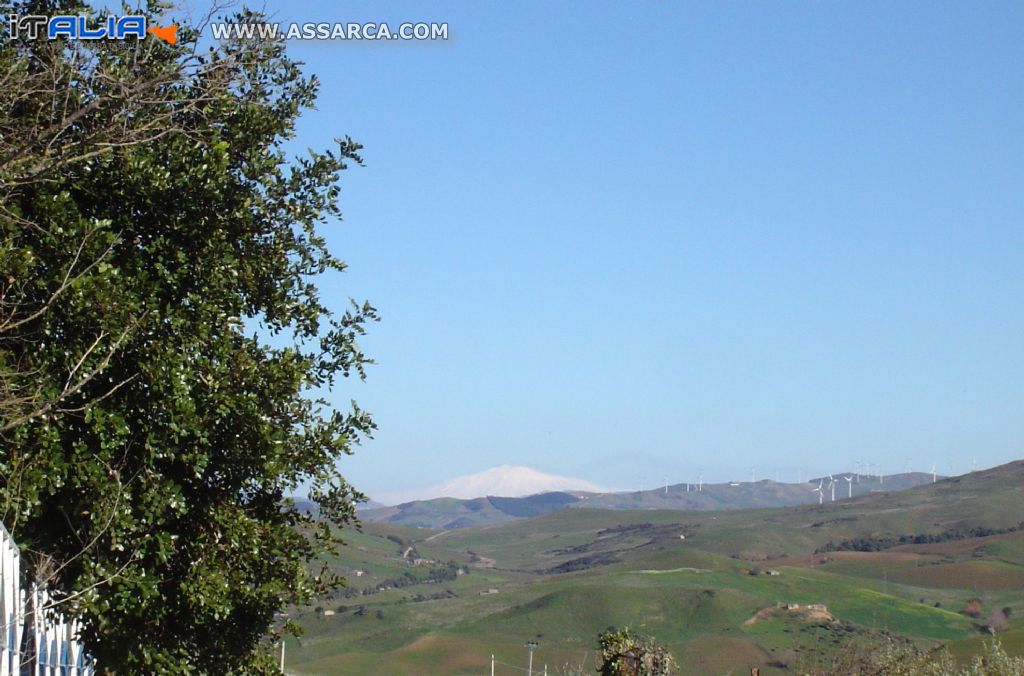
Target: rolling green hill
[[448, 513], [725, 590]]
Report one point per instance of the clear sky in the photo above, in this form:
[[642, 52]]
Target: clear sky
[[634, 241]]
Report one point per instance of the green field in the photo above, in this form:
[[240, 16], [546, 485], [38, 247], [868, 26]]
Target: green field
[[561, 578]]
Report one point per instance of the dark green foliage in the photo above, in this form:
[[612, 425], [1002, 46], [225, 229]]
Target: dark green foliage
[[585, 563], [161, 338], [443, 573], [878, 543]]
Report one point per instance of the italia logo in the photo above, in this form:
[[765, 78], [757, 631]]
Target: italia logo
[[78, 27]]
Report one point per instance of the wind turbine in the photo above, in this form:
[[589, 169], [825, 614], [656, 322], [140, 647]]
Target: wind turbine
[[933, 472], [849, 486], [832, 486], [700, 483], [751, 475], [821, 493]]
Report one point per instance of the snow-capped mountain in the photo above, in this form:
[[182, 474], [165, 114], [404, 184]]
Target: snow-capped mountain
[[507, 481]]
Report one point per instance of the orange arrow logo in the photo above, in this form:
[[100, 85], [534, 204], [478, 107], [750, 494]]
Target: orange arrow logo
[[166, 33]]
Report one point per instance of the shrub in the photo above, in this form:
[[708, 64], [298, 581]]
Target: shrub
[[623, 653]]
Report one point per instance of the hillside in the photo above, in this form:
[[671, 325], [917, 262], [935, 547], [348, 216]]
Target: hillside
[[427, 602], [449, 513], [751, 495]]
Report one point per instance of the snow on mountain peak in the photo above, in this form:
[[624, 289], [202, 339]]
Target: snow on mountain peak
[[507, 481]]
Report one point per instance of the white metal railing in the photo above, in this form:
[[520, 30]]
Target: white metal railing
[[36, 640]]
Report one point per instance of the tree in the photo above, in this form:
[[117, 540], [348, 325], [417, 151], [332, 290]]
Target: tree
[[162, 341], [623, 653]]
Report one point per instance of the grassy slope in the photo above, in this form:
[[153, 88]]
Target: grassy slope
[[695, 594]]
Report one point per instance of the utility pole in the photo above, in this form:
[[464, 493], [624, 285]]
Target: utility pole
[[530, 645]]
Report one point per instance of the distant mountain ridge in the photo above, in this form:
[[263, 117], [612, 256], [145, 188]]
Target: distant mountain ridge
[[451, 513], [508, 481]]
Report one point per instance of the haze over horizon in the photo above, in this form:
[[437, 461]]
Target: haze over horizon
[[519, 481], [783, 236]]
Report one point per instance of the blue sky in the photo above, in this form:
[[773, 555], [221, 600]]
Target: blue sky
[[635, 241]]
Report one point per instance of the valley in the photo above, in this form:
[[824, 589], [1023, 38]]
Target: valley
[[724, 589]]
